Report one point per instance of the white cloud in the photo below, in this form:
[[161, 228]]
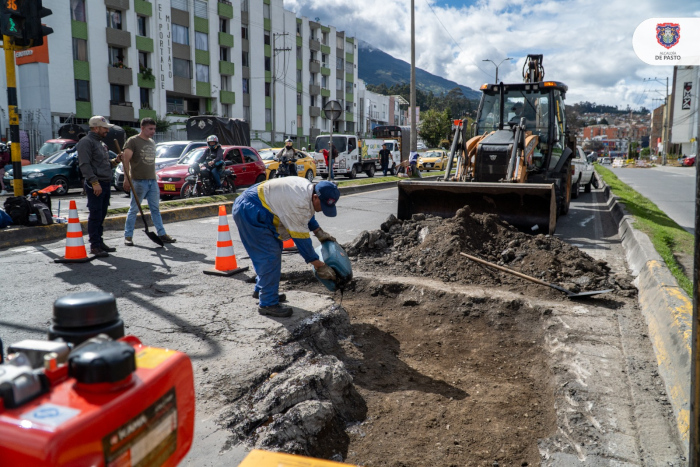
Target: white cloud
[[586, 43]]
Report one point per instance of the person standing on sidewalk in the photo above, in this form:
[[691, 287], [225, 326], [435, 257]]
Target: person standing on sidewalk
[[96, 169], [140, 163], [384, 155]]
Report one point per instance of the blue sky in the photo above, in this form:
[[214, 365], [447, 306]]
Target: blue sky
[[586, 43]]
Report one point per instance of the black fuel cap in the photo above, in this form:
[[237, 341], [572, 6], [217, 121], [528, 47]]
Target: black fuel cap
[[84, 309], [101, 361]]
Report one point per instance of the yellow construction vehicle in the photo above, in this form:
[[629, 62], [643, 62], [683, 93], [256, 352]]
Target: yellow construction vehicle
[[517, 164]]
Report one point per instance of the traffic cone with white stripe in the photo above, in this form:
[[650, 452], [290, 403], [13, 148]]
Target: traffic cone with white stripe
[[225, 263], [75, 247]]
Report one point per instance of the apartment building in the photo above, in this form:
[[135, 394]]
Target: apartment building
[[129, 59]]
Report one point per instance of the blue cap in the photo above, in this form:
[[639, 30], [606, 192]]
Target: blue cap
[[329, 194]]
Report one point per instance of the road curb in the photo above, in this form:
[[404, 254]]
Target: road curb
[[667, 310]]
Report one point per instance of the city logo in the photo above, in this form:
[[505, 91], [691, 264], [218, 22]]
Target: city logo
[[668, 34], [687, 87]]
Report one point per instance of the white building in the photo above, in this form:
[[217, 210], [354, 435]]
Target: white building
[[378, 109], [128, 59], [684, 108]]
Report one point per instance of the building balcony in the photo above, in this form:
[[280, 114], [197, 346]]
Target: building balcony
[[325, 92], [117, 4], [182, 85], [325, 71], [147, 113], [314, 66], [314, 45], [325, 49], [339, 52], [225, 39], [145, 44], [121, 110], [118, 38], [142, 7], [225, 9], [203, 89], [226, 68], [314, 89], [123, 76], [149, 83], [227, 97], [314, 111]]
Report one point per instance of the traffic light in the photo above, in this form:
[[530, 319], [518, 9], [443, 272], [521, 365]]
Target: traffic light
[[34, 31], [13, 18]]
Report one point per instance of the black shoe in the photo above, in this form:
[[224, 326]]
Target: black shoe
[[108, 249], [277, 311], [283, 297], [98, 252]]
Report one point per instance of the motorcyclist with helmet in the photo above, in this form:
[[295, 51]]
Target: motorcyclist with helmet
[[288, 159], [215, 158]]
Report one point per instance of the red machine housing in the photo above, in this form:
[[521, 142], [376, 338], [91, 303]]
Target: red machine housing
[[145, 419]]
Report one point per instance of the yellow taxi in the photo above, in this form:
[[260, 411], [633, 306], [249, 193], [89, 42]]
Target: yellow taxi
[[433, 159], [306, 167]]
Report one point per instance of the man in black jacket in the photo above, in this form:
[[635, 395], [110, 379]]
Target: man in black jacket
[[384, 156]]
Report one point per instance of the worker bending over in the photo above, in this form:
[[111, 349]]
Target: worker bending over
[[270, 212]]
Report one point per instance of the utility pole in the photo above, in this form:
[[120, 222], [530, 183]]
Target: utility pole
[[667, 116], [273, 136], [414, 134], [694, 441]]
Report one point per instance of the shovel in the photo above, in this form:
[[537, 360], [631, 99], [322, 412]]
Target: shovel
[[152, 235], [568, 293]]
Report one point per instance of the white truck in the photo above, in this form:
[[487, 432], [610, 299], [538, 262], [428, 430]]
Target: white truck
[[348, 162], [583, 174], [371, 148]]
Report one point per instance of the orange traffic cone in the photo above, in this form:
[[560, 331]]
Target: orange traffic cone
[[288, 246], [75, 247], [225, 263]]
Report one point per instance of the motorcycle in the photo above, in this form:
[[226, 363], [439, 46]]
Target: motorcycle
[[200, 182]]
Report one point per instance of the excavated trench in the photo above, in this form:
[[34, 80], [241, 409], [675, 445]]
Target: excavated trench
[[403, 375]]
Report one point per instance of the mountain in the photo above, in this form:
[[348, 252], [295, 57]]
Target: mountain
[[377, 67]]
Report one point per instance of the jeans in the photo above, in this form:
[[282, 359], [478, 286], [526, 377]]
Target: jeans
[[145, 190], [385, 167], [215, 175], [97, 207]]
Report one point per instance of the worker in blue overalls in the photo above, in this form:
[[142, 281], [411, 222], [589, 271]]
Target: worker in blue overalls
[[270, 212]]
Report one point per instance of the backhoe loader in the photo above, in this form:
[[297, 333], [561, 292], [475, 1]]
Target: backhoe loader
[[517, 164]]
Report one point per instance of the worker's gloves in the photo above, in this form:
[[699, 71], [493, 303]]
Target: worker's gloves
[[324, 236], [326, 272]]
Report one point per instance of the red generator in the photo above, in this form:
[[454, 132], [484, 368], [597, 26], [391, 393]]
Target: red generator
[[103, 402]]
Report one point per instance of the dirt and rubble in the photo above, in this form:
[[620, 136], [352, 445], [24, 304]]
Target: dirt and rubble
[[429, 246]]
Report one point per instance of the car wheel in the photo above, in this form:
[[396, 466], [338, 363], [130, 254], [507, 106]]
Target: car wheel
[[63, 182], [353, 173], [261, 178], [309, 175], [273, 174], [575, 189], [370, 171], [587, 186]]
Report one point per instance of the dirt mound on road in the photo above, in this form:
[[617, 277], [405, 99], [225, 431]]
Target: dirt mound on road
[[429, 246]]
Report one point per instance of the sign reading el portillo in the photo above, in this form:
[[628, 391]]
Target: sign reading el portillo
[[668, 41]]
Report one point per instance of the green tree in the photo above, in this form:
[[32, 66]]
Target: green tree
[[435, 127], [162, 124]]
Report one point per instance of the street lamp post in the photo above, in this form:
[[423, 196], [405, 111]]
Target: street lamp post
[[494, 63]]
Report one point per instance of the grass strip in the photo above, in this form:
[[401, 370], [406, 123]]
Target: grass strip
[[180, 203], [665, 234]]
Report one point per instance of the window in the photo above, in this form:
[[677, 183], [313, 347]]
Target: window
[[339, 43], [246, 113], [348, 108], [246, 84], [299, 98], [299, 76], [114, 19], [268, 64], [143, 61], [141, 22], [223, 54], [348, 67], [339, 84], [202, 73], [245, 6], [201, 41], [312, 56], [225, 82], [300, 121], [223, 25], [324, 82], [324, 60], [225, 110], [266, 37], [181, 34], [299, 55], [117, 94], [325, 38], [77, 10], [182, 68], [145, 95], [180, 4], [299, 29], [249, 156], [116, 56], [200, 9], [245, 60], [266, 10], [339, 65], [244, 32], [80, 49], [82, 90], [175, 105], [312, 101], [234, 155], [267, 89], [268, 115], [348, 88]]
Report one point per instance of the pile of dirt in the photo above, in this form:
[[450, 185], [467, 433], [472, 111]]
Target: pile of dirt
[[429, 246]]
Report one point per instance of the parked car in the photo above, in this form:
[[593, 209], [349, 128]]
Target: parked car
[[244, 161], [52, 146], [434, 159], [605, 161], [61, 168], [167, 154], [689, 161], [583, 175], [306, 167]]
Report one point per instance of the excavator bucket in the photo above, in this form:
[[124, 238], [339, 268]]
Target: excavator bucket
[[530, 207]]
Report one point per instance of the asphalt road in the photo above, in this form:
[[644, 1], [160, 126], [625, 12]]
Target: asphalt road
[[672, 189]]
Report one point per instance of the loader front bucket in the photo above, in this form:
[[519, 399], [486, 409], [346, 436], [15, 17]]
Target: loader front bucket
[[530, 207]]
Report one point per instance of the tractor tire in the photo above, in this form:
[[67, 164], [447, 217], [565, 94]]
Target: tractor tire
[[566, 198], [576, 189]]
